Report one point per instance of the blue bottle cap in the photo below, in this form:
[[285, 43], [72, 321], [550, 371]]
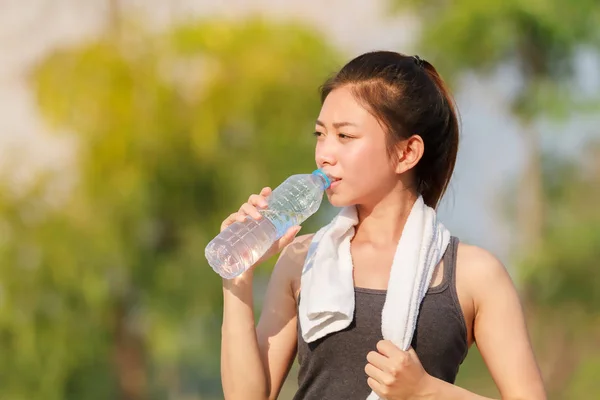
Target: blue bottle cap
[[324, 175]]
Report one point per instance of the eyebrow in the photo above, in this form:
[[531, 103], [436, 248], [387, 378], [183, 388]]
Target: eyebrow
[[337, 125]]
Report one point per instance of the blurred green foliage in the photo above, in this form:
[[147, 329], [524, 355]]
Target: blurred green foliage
[[105, 289], [564, 273], [539, 38]]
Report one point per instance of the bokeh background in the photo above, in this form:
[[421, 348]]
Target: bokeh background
[[130, 129]]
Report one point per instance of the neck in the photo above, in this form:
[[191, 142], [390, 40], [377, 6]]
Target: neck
[[383, 222]]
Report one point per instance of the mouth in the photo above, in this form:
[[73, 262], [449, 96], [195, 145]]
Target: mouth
[[334, 181]]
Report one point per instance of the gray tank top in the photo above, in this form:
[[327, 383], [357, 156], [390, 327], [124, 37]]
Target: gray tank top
[[332, 368]]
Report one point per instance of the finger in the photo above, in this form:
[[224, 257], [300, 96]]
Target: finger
[[380, 376], [376, 387], [378, 360], [389, 349], [241, 216], [258, 200], [412, 352], [228, 221], [413, 356], [265, 191], [250, 210], [289, 236]]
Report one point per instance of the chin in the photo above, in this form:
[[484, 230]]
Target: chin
[[339, 201]]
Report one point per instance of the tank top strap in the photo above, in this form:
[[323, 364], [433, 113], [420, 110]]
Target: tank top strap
[[450, 262], [450, 259]]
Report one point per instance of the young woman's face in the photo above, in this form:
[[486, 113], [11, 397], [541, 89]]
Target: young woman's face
[[351, 146]]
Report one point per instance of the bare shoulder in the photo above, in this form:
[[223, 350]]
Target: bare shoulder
[[293, 254], [479, 272], [291, 261], [478, 261]]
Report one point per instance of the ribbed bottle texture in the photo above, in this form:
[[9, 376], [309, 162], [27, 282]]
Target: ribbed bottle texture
[[242, 244]]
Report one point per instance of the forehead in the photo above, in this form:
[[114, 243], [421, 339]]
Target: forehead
[[341, 106]]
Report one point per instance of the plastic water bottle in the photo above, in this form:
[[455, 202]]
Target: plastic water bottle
[[242, 244]]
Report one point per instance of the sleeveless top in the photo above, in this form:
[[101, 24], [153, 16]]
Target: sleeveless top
[[332, 368]]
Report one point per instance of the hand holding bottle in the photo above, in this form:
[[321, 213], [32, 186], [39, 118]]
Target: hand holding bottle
[[265, 223], [251, 209]]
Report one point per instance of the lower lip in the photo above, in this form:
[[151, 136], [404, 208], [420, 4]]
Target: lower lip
[[335, 183]]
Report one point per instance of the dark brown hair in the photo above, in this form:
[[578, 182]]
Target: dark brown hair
[[408, 97]]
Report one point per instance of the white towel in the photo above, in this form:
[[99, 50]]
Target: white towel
[[327, 284]]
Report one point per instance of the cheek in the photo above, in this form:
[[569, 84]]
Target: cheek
[[367, 160], [365, 170]]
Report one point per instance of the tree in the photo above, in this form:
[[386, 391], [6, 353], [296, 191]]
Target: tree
[[540, 39], [561, 280], [105, 289]]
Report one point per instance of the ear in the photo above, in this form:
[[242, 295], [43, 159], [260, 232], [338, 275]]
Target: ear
[[409, 153]]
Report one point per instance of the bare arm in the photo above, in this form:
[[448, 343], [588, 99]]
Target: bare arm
[[277, 327], [500, 331], [242, 372], [256, 361]]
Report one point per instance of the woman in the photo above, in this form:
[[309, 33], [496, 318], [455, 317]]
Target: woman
[[388, 131]]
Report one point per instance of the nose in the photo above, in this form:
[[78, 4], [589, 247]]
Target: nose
[[325, 154]]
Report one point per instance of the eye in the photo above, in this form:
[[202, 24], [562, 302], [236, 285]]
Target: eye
[[317, 134], [342, 136]]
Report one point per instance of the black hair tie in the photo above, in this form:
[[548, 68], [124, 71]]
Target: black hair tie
[[418, 61]]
